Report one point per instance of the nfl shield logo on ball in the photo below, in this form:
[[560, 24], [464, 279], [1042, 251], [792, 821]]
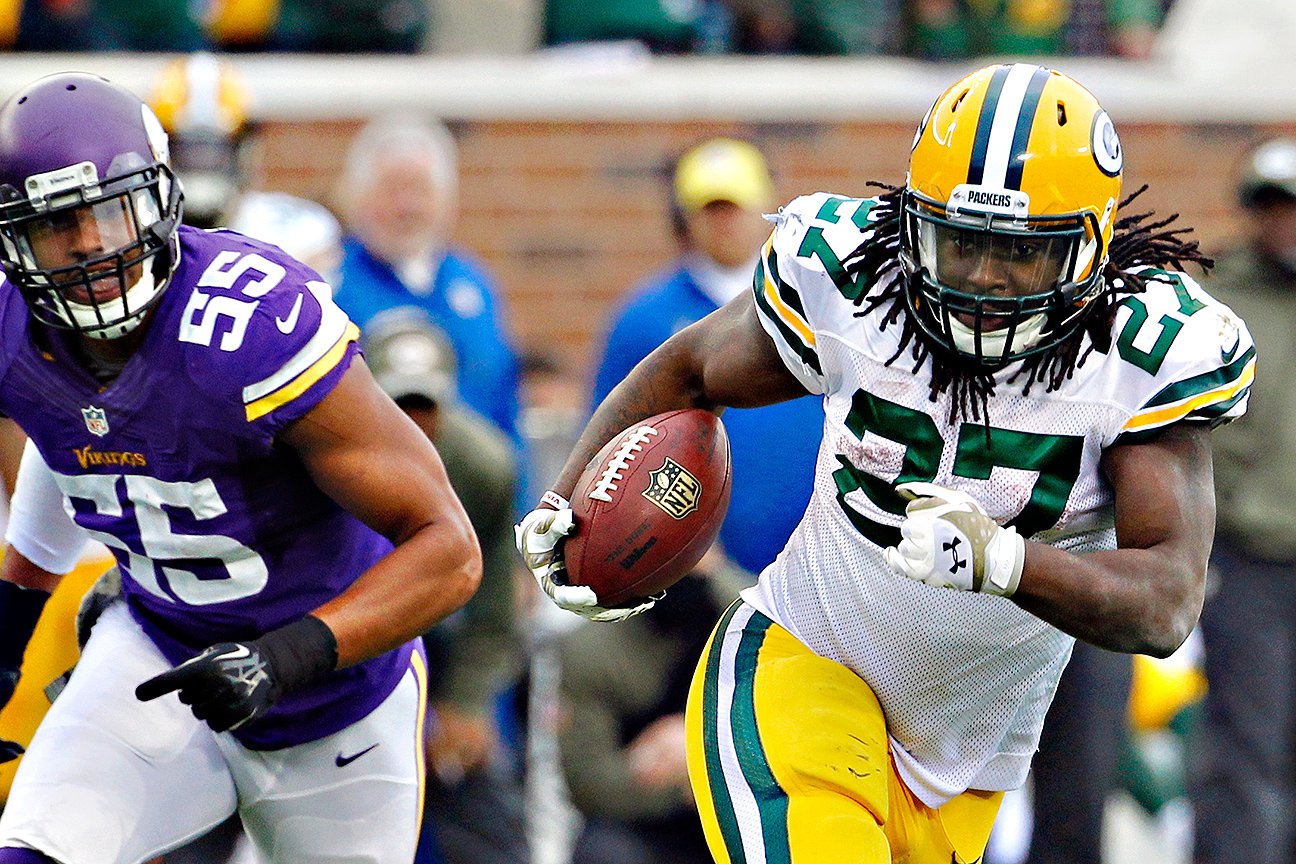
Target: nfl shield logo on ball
[[674, 489], [96, 420]]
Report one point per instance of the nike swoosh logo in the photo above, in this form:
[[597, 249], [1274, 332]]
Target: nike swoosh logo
[[236, 654], [287, 325], [342, 761], [1226, 356]]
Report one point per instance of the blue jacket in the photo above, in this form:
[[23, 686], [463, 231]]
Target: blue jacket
[[773, 448], [463, 303]]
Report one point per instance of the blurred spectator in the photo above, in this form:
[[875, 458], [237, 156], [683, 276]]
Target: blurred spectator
[[846, 26], [202, 103], [318, 26], [398, 196], [553, 415], [110, 25], [664, 26], [241, 24], [473, 808], [622, 734], [349, 26], [957, 29], [1243, 780], [731, 26], [484, 26], [720, 189], [1165, 709]]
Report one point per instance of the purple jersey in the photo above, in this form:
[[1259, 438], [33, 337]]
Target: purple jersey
[[219, 531]]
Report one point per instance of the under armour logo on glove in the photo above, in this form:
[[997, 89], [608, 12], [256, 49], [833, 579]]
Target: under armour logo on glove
[[983, 556], [956, 563]]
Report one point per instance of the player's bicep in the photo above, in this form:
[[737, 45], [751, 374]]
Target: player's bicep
[[1164, 491], [737, 362], [367, 455]]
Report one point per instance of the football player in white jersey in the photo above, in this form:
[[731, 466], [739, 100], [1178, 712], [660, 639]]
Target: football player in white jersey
[[1018, 386]]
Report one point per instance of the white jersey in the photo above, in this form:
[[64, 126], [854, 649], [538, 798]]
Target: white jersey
[[964, 679]]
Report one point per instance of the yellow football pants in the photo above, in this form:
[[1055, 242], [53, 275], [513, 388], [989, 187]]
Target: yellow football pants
[[790, 762], [51, 652]]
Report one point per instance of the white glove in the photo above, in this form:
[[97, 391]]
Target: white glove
[[951, 542], [537, 537]]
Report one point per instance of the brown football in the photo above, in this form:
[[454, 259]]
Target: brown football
[[649, 505]]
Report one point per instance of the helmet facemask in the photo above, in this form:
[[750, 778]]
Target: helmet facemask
[[996, 287], [91, 256]]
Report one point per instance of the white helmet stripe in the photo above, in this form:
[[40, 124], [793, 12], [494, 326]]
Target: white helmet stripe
[[1007, 117]]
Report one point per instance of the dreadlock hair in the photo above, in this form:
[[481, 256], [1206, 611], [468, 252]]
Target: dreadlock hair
[[1137, 241]]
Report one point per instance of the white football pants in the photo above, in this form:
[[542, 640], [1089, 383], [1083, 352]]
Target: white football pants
[[112, 780]]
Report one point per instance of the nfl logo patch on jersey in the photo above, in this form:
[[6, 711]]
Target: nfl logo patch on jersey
[[96, 420]]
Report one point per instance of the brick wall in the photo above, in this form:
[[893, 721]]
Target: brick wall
[[570, 214]]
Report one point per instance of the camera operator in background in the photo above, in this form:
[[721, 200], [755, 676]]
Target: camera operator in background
[[473, 810]]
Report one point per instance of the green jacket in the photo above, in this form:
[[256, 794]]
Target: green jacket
[[1255, 456], [478, 648]]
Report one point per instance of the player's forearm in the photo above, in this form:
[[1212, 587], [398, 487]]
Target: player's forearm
[[423, 580], [726, 359], [665, 380], [1138, 601], [20, 570]]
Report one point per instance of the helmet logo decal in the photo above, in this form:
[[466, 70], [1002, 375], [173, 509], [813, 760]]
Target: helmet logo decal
[[1106, 145], [96, 420], [1003, 129]]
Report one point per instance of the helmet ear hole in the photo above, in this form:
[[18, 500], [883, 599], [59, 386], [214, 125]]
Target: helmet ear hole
[[955, 105], [1062, 118]]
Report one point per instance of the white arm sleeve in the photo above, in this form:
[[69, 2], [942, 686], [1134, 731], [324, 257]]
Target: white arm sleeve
[[39, 528]]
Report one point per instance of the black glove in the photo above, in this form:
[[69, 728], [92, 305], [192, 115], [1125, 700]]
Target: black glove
[[20, 609], [9, 750], [232, 683]]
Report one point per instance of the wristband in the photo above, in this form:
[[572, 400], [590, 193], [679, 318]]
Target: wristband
[[299, 652], [20, 609], [554, 500]]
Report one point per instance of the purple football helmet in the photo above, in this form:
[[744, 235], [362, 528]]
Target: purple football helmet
[[88, 204]]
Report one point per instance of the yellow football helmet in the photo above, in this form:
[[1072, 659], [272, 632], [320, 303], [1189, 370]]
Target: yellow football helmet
[[1014, 180], [202, 104]]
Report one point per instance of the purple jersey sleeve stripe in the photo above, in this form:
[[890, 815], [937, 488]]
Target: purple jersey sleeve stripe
[[303, 382]]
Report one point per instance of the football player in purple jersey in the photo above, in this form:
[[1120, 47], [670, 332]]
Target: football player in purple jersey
[[283, 531]]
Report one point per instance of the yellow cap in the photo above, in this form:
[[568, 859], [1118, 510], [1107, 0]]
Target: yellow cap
[[723, 170]]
